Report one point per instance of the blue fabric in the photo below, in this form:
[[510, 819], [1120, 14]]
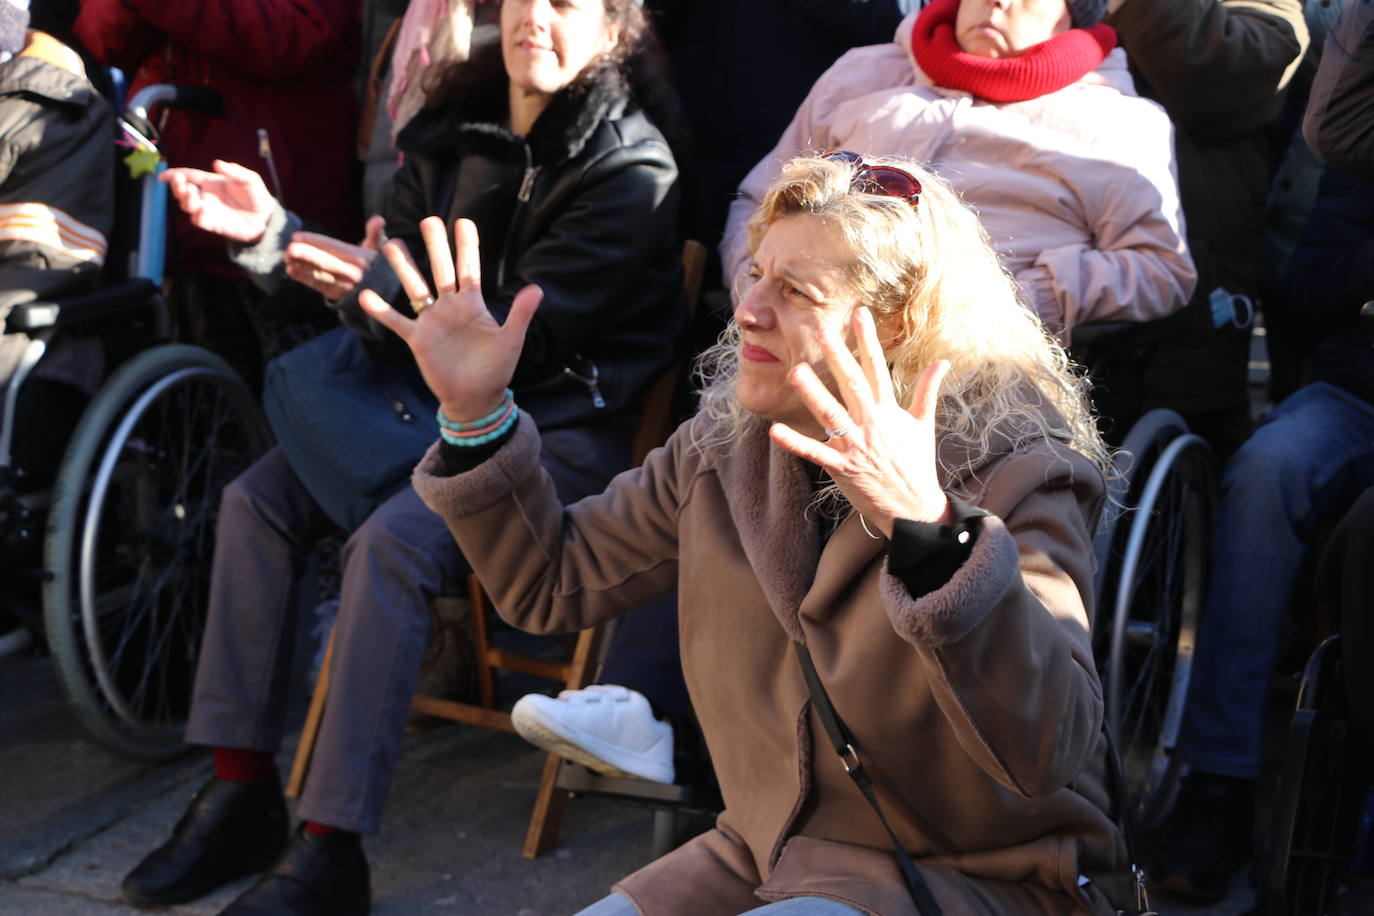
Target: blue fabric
[[1305, 464], [353, 429], [619, 905]]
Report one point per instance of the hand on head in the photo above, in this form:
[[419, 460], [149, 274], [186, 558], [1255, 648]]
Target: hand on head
[[231, 201], [466, 357], [881, 455]]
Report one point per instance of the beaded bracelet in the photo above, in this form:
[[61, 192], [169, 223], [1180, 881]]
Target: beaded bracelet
[[483, 436], [494, 416], [490, 427]]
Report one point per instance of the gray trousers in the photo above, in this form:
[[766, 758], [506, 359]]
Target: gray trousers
[[393, 567]]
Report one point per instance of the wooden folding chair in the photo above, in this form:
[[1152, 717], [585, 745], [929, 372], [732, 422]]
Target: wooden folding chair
[[655, 426]]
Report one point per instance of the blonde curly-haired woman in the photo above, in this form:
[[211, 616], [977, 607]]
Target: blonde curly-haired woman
[[894, 475]]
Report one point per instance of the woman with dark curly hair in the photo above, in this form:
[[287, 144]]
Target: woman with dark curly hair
[[541, 141]]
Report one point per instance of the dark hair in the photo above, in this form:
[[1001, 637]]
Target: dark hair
[[637, 60], [54, 17]]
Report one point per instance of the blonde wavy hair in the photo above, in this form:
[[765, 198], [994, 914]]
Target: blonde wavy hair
[[936, 287]]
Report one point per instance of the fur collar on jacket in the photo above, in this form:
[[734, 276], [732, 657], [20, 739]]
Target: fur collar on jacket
[[559, 133], [770, 490]]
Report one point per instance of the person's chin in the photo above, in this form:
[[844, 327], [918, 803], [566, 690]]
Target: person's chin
[[754, 400], [983, 43]]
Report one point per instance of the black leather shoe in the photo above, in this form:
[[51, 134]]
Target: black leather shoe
[[1204, 839], [316, 876], [231, 829]]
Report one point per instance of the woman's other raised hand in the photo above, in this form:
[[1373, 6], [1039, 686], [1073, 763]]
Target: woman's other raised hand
[[231, 201], [880, 454], [466, 357]]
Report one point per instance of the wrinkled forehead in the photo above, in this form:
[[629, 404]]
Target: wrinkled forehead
[[808, 247]]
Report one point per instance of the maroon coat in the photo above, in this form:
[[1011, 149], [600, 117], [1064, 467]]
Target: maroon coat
[[283, 65]]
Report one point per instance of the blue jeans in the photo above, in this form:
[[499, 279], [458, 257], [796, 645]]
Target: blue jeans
[[620, 905], [1305, 464]]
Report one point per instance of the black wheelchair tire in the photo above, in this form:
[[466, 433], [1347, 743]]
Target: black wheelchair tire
[[139, 486], [1130, 466]]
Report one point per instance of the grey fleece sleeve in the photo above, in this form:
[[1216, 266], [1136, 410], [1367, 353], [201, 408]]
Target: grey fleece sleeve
[[265, 260]]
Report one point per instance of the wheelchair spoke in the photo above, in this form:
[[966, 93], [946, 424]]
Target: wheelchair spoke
[[131, 625], [154, 659]]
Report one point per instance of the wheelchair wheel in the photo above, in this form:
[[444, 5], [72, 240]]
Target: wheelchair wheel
[[1130, 467], [129, 541], [1321, 794], [1156, 611]]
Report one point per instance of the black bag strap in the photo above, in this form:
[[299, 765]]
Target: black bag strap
[[1116, 777], [843, 743]]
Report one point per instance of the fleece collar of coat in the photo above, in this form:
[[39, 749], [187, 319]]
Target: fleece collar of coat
[[1113, 72], [559, 133], [770, 496]]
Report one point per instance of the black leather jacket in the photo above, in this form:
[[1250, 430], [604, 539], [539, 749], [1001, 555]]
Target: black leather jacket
[[586, 208]]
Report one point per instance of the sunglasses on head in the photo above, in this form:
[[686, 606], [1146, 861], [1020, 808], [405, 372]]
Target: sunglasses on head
[[887, 180]]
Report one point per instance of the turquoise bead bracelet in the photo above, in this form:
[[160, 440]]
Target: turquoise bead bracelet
[[473, 441], [457, 427]]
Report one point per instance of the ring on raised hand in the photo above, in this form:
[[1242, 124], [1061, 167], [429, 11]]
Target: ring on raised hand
[[839, 433], [420, 304]]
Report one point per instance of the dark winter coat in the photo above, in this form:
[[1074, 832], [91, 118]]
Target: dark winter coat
[[1220, 70], [56, 175], [585, 207], [742, 69], [1330, 275]]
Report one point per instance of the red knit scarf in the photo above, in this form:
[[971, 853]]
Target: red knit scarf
[[1042, 69]]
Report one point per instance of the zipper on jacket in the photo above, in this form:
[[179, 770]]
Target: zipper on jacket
[[592, 381], [522, 197], [526, 185]]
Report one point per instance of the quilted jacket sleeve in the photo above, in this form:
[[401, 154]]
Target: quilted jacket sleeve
[[1008, 636], [1136, 267]]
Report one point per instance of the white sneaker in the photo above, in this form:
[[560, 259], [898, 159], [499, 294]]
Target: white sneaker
[[607, 728]]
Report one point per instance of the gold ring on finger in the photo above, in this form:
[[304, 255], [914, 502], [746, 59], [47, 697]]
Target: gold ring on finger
[[420, 304]]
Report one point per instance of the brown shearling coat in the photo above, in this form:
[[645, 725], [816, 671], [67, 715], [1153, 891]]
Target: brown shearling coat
[[976, 707]]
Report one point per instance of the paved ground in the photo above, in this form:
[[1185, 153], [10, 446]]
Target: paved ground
[[74, 818]]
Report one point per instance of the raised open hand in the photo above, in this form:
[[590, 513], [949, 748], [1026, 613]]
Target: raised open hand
[[881, 455], [466, 357], [231, 201]]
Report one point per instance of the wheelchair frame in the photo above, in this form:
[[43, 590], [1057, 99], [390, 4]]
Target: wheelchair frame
[[130, 517], [1152, 552]]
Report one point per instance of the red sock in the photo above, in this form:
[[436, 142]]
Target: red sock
[[319, 829], [236, 764]]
